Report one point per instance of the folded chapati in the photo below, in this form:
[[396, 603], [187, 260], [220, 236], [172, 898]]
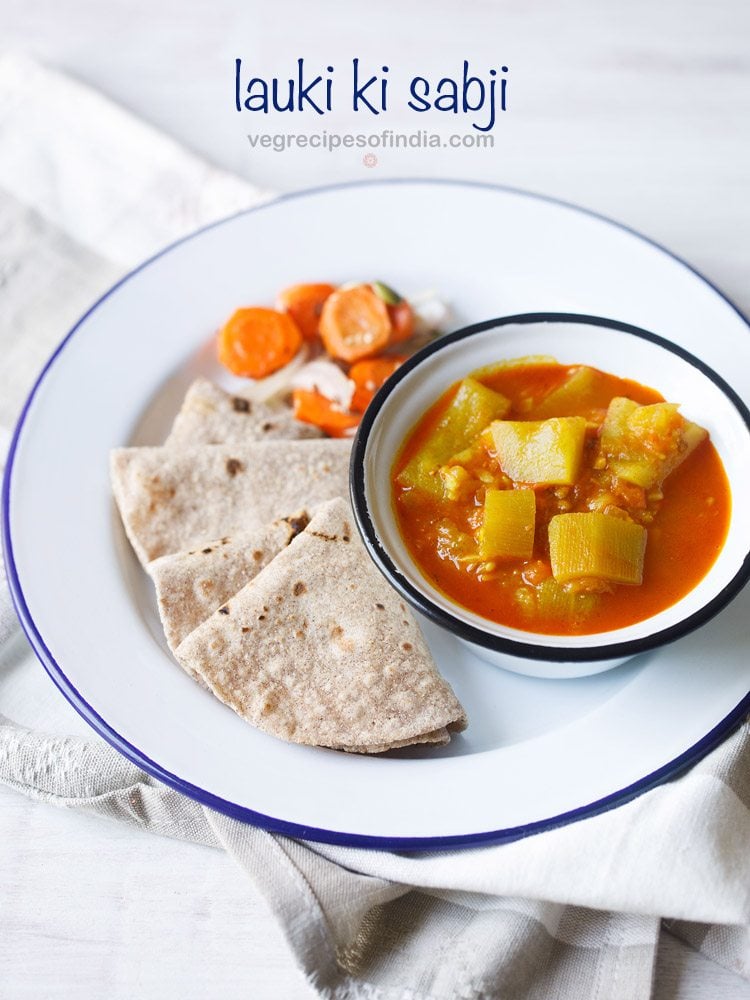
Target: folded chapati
[[209, 415], [190, 586], [319, 649], [171, 499]]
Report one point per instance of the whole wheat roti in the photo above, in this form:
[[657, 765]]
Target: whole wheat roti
[[171, 499], [190, 586], [209, 415], [319, 649]]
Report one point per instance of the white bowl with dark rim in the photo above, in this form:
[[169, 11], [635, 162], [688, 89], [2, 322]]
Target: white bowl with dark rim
[[619, 348]]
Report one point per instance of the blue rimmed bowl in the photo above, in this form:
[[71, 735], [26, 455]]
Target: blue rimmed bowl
[[624, 350]]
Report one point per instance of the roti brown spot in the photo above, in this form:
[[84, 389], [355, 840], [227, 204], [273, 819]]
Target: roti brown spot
[[240, 405], [297, 524], [299, 588], [269, 705], [234, 466], [159, 493]]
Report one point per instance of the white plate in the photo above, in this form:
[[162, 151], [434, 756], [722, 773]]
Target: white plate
[[537, 752]]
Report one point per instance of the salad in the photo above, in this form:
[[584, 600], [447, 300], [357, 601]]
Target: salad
[[332, 346]]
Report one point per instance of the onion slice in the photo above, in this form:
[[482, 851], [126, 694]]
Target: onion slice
[[328, 379]]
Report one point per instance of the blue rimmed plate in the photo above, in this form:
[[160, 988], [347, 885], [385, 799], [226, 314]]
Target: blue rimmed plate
[[537, 752]]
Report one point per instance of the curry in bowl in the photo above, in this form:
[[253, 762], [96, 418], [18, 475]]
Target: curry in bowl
[[560, 499]]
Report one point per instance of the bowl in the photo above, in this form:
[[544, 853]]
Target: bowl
[[619, 348]]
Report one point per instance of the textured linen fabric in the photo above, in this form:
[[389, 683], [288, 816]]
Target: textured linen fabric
[[574, 913]]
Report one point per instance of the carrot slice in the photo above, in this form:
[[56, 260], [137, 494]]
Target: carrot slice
[[402, 321], [304, 303], [255, 342], [354, 323], [368, 376], [313, 407]]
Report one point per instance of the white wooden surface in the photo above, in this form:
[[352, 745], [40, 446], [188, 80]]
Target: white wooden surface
[[635, 109]]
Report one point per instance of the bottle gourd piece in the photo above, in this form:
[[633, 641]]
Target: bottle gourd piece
[[584, 389], [507, 530], [598, 546], [472, 408], [545, 452], [644, 444]]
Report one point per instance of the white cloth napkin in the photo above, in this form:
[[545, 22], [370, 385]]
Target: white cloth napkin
[[574, 913]]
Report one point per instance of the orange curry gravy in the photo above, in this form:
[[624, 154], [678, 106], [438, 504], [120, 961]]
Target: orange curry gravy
[[687, 520]]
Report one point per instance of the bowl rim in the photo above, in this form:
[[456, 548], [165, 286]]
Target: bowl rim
[[471, 633]]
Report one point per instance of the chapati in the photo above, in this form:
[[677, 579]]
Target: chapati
[[319, 649], [172, 499], [190, 586]]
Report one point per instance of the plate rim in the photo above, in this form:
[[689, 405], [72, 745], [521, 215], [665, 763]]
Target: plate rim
[[667, 771]]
